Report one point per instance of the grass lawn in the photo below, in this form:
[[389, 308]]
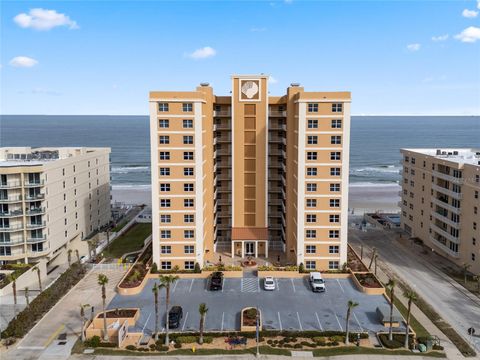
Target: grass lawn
[[354, 350], [132, 240]]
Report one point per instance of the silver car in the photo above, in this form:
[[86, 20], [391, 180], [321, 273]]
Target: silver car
[[269, 283]]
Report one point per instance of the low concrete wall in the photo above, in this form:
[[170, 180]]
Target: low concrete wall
[[134, 290], [95, 328], [297, 275], [28, 279], [367, 290], [253, 327]]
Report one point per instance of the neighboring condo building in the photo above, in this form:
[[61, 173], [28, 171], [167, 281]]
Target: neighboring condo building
[[440, 201], [50, 200], [248, 174]]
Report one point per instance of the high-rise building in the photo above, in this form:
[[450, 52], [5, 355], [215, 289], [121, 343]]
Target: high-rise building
[[249, 174], [440, 201], [50, 200]]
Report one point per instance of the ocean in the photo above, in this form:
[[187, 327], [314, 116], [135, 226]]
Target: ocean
[[374, 153]]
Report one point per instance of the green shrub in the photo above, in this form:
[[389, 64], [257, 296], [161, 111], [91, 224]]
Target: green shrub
[[160, 347], [154, 268], [131, 347], [93, 342], [335, 343], [152, 347], [185, 339], [207, 339], [337, 338], [197, 269], [437, 347], [297, 346], [301, 268], [177, 345], [269, 342]]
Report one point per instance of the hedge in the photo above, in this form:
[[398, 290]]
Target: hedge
[[39, 306]]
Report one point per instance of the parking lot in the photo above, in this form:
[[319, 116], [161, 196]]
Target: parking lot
[[291, 306]]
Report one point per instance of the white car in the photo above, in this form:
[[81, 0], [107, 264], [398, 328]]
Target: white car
[[269, 283]]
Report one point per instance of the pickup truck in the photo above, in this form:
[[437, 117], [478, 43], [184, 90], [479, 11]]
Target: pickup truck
[[316, 282]]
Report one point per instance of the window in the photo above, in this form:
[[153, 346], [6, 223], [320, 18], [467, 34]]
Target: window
[[187, 107], [189, 249], [188, 124], [188, 218], [311, 234], [164, 155], [166, 249], [333, 265], [165, 234], [312, 124], [333, 234], [188, 155], [311, 155], [335, 203], [312, 140], [311, 203], [311, 218], [164, 171], [188, 187], [312, 107], [335, 187], [189, 265], [188, 234], [473, 257], [165, 218], [333, 249], [337, 108], [311, 249], [310, 265], [335, 155], [188, 171], [334, 171], [334, 218], [311, 171], [163, 123], [162, 107], [164, 187], [166, 265], [311, 187], [163, 139], [188, 203], [165, 203], [336, 140], [476, 194], [336, 124], [188, 140]]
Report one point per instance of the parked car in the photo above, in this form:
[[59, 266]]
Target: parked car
[[83, 259], [316, 282], [216, 281], [174, 317], [269, 283]]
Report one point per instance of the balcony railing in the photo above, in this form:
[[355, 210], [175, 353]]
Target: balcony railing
[[277, 113], [10, 214], [446, 206], [45, 251], [444, 248], [36, 225], [219, 113], [29, 197], [29, 183], [12, 228], [451, 193], [11, 199], [447, 177], [36, 211], [445, 219], [221, 127], [277, 127], [37, 239], [12, 242], [444, 233], [10, 184]]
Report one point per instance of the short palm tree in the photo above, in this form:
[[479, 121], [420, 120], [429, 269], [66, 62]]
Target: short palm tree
[[39, 276], [69, 257], [202, 309], [77, 254], [411, 297], [13, 280], [155, 296], [477, 279], [351, 305], [373, 257], [391, 286], [27, 299], [83, 318], [465, 272], [102, 281], [166, 281]]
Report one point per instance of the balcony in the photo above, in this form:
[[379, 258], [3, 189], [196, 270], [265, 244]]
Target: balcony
[[12, 228], [224, 164], [36, 211], [277, 139], [445, 219], [451, 193], [223, 139], [446, 206], [444, 248], [277, 113], [447, 177], [33, 226], [277, 127], [11, 214], [35, 197], [10, 199], [217, 127], [275, 201], [44, 252], [34, 183], [13, 242], [11, 185], [37, 239], [220, 113], [444, 233]]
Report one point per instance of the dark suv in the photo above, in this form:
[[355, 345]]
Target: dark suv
[[174, 317], [216, 281]]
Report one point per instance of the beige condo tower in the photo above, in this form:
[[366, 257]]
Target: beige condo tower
[[440, 202], [249, 175]]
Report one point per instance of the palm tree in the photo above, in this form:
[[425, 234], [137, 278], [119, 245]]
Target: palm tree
[[465, 272], [69, 257], [13, 280], [77, 254], [166, 281], [202, 309], [27, 300], [39, 276], [411, 296], [83, 318], [391, 286], [373, 256], [155, 296], [351, 304], [92, 244], [477, 279], [102, 281]]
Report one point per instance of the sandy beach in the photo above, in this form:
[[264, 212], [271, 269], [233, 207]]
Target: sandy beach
[[364, 197]]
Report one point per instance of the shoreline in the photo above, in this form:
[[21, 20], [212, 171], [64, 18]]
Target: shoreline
[[363, 197]]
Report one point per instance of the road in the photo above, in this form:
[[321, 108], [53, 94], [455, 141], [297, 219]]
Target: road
[[456, 305]]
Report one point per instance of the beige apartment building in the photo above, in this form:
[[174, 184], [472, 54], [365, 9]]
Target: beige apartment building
[[50, 200], [440, 201], [249, 175]]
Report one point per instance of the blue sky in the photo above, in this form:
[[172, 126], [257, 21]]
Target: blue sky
[[102, 57]]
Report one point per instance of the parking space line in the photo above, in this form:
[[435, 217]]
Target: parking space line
[[223, 283], [299, 322], [318, 321], [175, 286], [280, 321], [258, 285], [338, 321], [223, 317], [278, 287], [146, 322], [185, 321], [341, 287], [358, 322], [293, 285], [191, 284]]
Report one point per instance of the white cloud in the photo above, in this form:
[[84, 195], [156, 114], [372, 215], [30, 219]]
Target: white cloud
[[413, 47], [43, 19], [440, 38], [272, 80], [469, 13], [478, 4], [23, 61], [469, 35], [203, 53]]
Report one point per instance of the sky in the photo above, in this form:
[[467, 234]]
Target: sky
[[103, 57]]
